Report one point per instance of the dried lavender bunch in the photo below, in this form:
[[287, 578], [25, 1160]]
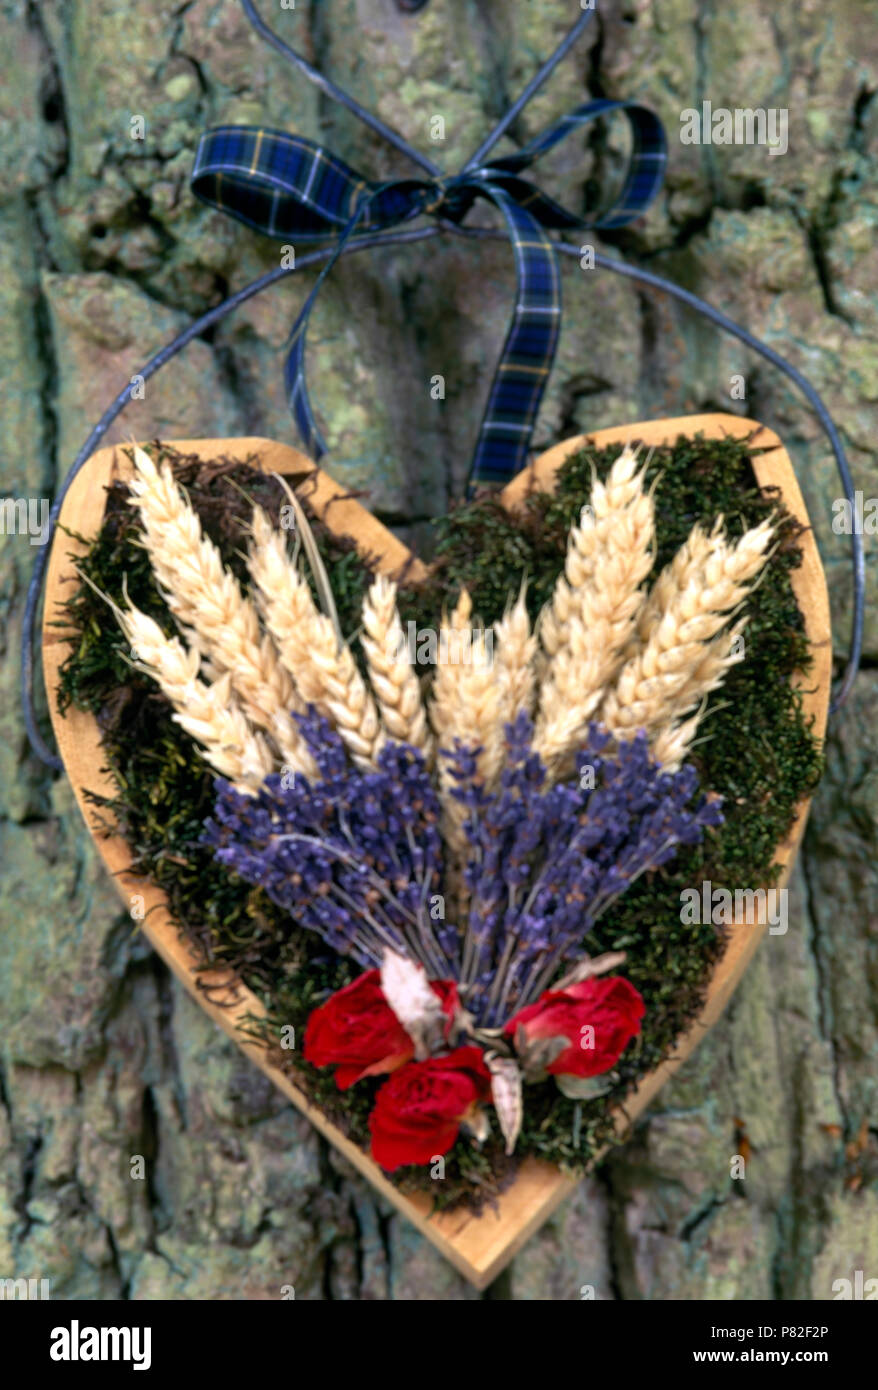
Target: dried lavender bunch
[[354, 856], [544, 861], [357, 855]]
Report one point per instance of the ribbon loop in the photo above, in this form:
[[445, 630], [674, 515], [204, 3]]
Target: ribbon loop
[[291, 188]]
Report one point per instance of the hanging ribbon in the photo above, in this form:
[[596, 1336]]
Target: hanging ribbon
[[256, 179], [297, 191]]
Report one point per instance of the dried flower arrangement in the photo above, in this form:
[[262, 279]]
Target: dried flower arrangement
[[157, 811], [458, 843]]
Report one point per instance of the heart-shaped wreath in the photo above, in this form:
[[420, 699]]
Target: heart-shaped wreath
[[453, 811]]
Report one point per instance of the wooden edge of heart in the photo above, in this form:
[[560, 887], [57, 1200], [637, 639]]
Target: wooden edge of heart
[[478, 1246]]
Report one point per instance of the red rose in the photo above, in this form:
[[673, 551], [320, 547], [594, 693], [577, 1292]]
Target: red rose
[[418, 1112], [446, 992], [357, 1031], [610, 1007]]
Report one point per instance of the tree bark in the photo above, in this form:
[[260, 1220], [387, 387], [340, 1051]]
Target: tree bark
[[104, 253]]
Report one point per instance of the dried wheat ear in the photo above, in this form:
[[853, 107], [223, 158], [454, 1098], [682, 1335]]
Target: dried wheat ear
[[604, 647], [212, 612], [592, 616], [208, 712], [265, 658]]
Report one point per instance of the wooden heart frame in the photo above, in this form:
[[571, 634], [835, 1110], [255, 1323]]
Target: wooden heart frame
[[478, 1245]]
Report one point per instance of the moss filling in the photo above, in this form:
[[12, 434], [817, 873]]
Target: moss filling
[[760, 755]]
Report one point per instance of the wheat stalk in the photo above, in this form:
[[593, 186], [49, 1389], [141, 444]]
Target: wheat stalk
[[454, 637], [465, 702], [673, 743], [588, 542], [208, 713], [593, 612], [163, 510], [206, 599], [465, 707], [516, 648], [685, 564], [323, 669], [710, 670], [680, 661], [285, 602], [391, 674]]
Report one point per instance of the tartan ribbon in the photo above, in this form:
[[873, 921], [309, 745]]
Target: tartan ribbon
[[295, 190]]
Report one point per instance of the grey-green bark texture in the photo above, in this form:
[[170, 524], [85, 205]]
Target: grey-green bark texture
[[104, 255]]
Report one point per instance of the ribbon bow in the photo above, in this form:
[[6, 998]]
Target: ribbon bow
[[292, 189]]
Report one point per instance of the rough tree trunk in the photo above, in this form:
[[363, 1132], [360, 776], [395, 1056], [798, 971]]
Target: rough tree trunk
[[104, 254]]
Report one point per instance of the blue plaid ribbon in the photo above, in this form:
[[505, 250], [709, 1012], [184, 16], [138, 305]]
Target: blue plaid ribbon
[[292, 189]]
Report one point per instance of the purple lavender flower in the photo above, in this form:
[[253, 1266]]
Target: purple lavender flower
[[545, 861], [355, 857]]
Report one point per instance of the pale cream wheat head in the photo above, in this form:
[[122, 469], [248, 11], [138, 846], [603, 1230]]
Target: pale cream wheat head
[[686, 654], [323, 668], [209, 713], [205, 598], [392, 676], [593, 612]]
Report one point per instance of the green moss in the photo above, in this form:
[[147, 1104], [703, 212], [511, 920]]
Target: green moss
[[760, 755]]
